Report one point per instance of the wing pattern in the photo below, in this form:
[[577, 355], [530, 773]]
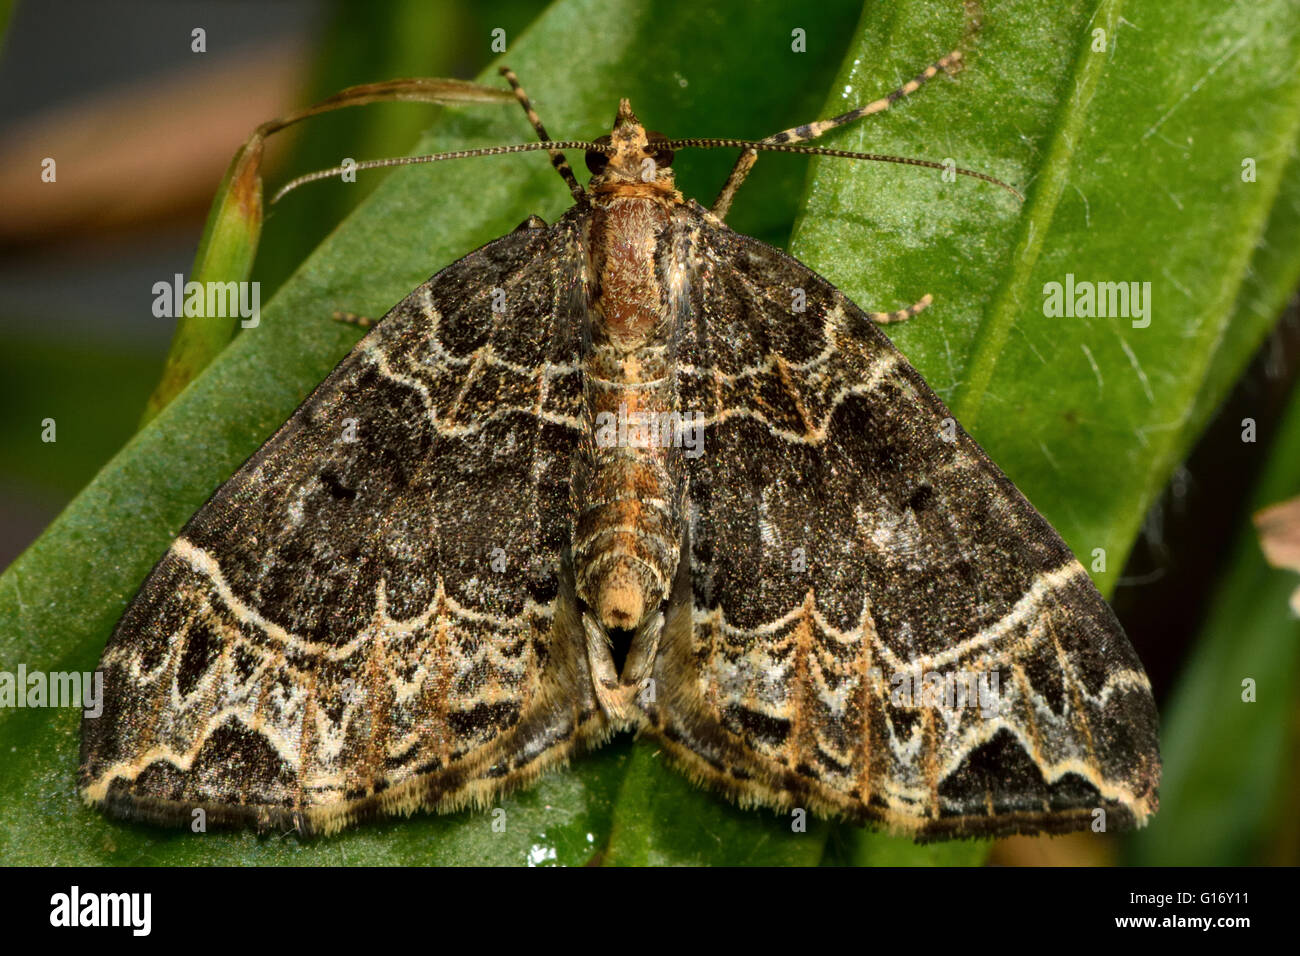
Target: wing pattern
[[875, 623], [377, 613], [338, 632]]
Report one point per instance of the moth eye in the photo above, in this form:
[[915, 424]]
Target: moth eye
[[597, 162], [662, 157]]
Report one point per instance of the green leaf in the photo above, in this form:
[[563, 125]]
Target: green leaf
[[92, 389], [225, 255], [1132, 163], [1106, 201], [6, 16], [1228, 760], [1270, 281], [233, 230]]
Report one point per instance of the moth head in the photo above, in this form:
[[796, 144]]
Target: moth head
[[635, 157]]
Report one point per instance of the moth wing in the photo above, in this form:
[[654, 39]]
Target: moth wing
[[848, 542], [371, 616]]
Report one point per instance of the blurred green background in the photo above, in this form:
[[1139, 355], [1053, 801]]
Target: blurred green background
[[143, 129]]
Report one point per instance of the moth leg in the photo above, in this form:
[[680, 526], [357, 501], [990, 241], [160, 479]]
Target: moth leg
[[902, 315], [557, 158], [810, 131], [351, 318]]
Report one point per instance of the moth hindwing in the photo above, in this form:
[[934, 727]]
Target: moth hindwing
[[605, 475]]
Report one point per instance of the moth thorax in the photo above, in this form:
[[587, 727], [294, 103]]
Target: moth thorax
[[629, 303]]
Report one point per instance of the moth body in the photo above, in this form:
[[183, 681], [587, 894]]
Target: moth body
[[629, 483]]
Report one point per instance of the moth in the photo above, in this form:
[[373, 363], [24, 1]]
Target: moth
[[605, 475]]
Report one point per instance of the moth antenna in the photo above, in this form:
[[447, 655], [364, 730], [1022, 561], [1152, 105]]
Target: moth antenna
[[437, 157], [841, 154]]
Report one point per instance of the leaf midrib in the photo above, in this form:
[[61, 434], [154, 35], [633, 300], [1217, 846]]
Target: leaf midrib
[[995, 327]]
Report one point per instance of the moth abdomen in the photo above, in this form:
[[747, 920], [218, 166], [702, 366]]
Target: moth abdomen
[[629, 486]]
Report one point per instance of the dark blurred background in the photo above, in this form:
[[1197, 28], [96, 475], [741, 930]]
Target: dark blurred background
[[112, 91]]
